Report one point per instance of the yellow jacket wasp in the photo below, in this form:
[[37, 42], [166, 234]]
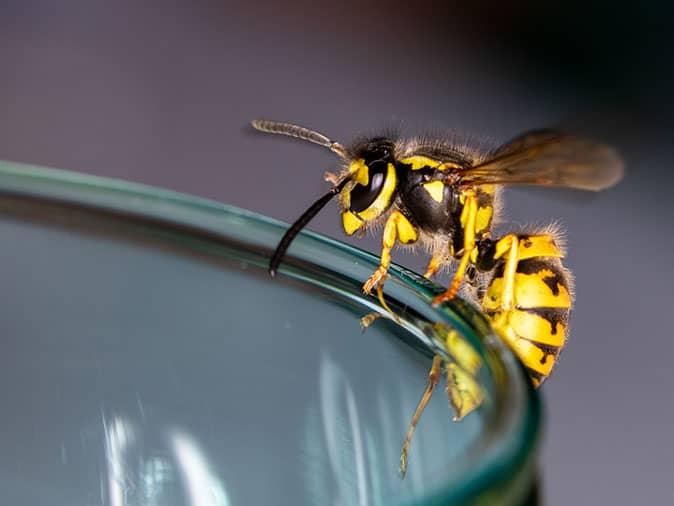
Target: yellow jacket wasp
[[445, 197]]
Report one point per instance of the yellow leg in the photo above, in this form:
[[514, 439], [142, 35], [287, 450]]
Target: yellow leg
[[464, 392], [397, 228], [507, 299], [433, 266], [508, 248], [377, 279], [370, 318], [463, 389], [382, 301], [433, 379], [470, 208], [388, 241]]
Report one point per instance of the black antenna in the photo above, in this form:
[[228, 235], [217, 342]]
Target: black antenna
[[302, 222], [299, 132]]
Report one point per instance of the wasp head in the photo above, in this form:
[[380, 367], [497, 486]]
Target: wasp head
[[372, 185]]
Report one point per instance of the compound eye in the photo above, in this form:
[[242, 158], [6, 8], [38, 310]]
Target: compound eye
[[362, 197]]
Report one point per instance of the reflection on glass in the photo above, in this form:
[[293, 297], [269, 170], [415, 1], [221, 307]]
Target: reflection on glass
[[337, 454], [203, 487], [143, 470], [118, 436], [345, 443]]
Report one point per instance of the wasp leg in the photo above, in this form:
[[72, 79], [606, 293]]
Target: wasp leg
[[377, 279], [433, 379], [434, 265], [508, 246], [463, 390], [468, 218], [388, 241], [397, 228], [382, 301], [370, 318]]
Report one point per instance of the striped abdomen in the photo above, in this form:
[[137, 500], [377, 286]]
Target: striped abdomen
[[536, 327]]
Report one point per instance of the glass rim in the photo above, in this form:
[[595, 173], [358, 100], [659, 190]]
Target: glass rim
[[515, 440]]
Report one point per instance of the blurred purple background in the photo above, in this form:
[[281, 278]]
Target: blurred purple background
[[161, 93]]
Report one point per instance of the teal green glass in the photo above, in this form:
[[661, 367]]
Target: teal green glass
[[148, 359]]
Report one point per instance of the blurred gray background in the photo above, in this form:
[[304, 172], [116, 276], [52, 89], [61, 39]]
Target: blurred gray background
[[161, 92]]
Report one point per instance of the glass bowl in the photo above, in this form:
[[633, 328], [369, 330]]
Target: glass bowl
[[148, 359]]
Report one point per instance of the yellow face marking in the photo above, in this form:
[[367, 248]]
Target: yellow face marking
[[351, 222], [383, 200], [360, 172], [406, 232], [436, 190], [483, 219]]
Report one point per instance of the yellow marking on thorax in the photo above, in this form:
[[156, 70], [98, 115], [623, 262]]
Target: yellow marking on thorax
[[436, 190], [531, 291], [419, 162]]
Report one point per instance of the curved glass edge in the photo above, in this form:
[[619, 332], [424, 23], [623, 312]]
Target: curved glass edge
[[504, 469]]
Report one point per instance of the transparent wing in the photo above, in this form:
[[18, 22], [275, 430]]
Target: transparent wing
[[549, 158]]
